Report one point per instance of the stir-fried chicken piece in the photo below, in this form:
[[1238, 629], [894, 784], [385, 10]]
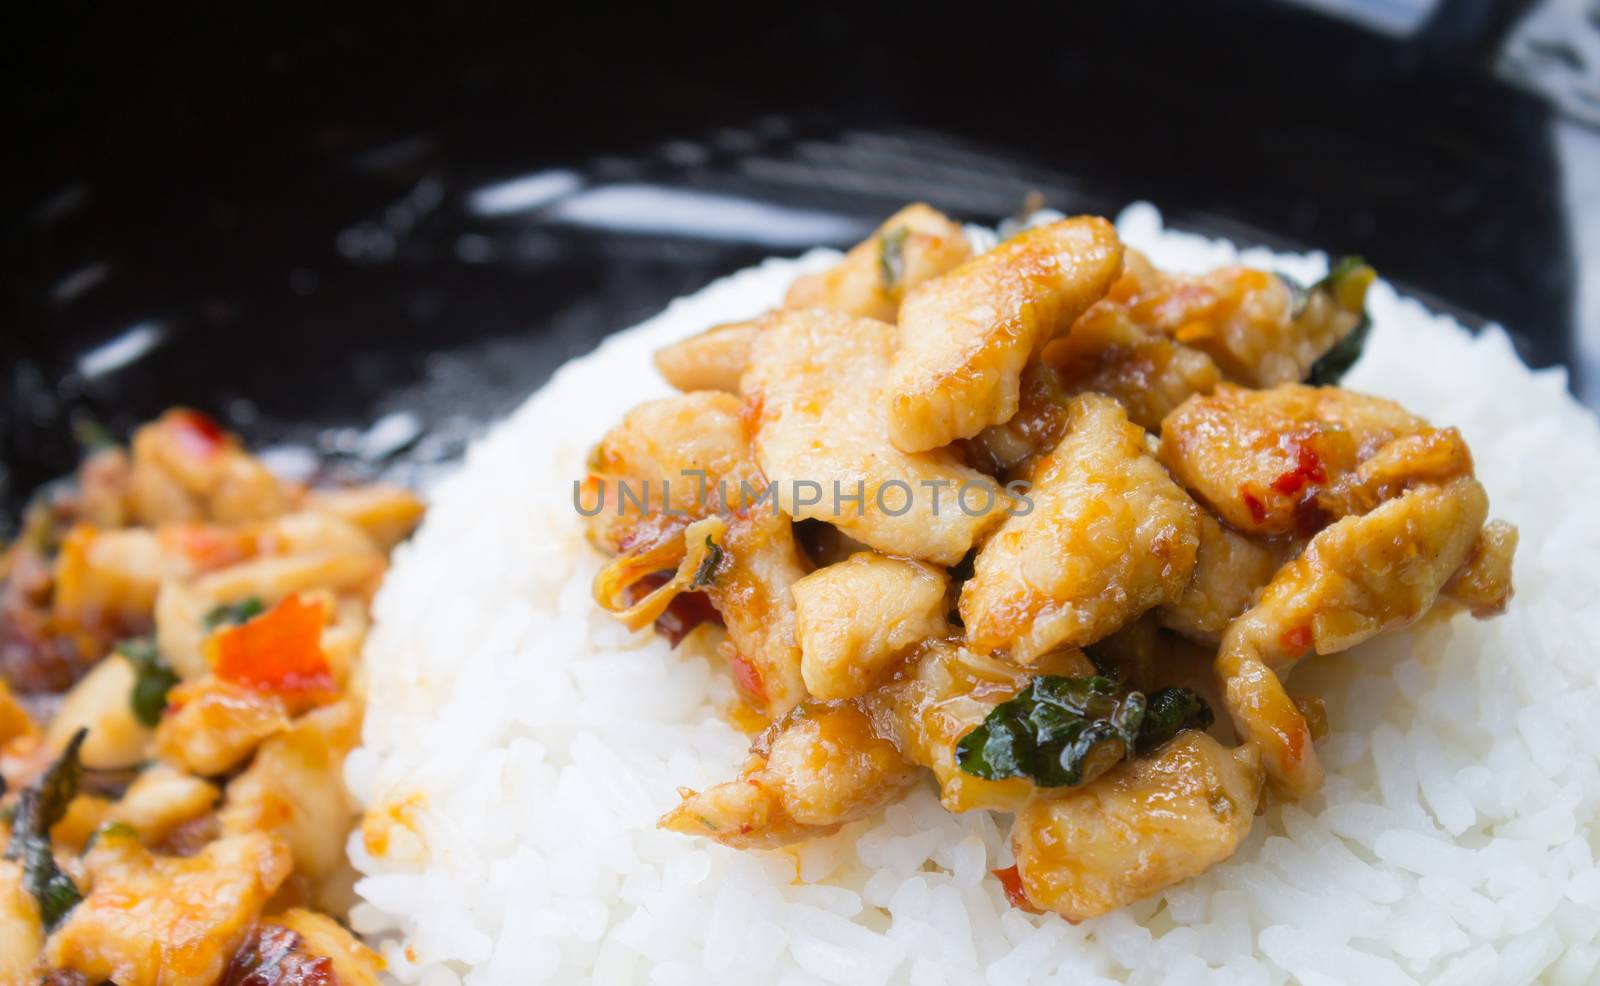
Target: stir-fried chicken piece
[[1260, 330], [212, 725], [294, 789], [386, 514], [1229, 569], [1357, 578], [151, 920], [856, 619], [1109, 536], [1145, 825], [312, 551], [691, 453], [689, 449], [1291, 459], [712, 360], [1106, 352], [186, 468], [1139, 275], [85, 814], [968, 334], [275, 577], [1432, 456], [945, 692], [180, 615], [914, 245], [818, 768], [21, 933], [1286, 460], [815, 386], [15, 721], [1483, 583], [1129, 347], [109, 584], [159, 800], [106, 581], [1147, 372], [117, 739], [105, 480]]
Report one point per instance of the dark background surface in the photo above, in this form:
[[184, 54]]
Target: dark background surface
[[288, 204]]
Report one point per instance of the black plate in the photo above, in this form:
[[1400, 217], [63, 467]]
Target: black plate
[[302, 230]]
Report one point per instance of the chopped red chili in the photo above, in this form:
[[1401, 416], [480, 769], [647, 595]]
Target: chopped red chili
[[748, 678], [1258, 510], [208, 546], [279, 651], [1307, 470], [1011, 882], [1295, 641], [198, 433]]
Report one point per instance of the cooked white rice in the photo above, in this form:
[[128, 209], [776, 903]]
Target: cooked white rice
[[522, 744]]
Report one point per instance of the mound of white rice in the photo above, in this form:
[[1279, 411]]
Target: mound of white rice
[[520, 745]]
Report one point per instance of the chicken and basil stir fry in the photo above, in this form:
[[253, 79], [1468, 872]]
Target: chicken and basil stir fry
[[1155, 503], [180, 633]]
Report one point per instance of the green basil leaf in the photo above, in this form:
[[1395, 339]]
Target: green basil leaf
[[89, 433], [1332, 365], [891, 256], [1061, 731], [234, 613], [1346, 287], [41, 805], [1168, 712], [1054, 732], [707, 572], [1342, 270], [152, 679], [149, 698], [110, 830]]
